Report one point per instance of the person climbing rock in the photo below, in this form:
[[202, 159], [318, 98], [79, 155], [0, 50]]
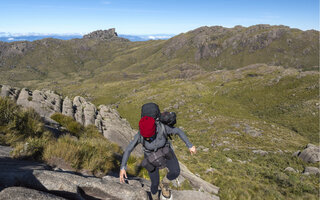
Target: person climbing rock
[[158, 152]]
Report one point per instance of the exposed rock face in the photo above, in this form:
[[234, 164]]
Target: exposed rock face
[[89, 112], [7, 91], [113, 126], [85, 112], [43, 102], [78, 107], [67, 107], [310, 154], [102, 34], [21, 193]]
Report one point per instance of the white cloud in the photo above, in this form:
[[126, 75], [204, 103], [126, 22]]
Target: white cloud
[[10, 38], [157, 37], [106, 2], [7, 34]]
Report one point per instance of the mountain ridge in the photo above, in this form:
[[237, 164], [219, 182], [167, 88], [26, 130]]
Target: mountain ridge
[[210, 47]]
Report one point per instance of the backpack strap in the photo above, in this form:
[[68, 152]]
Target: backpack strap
[[165, 131]]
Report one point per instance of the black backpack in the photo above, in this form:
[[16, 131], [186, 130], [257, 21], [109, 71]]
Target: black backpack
[[168, 118], [151, 110]]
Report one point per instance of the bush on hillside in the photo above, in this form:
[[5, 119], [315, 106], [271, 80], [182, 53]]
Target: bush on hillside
[[91, 151], [69, 123], [17, 124]]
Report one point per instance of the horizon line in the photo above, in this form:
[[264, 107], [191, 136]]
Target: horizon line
[[144, 34]]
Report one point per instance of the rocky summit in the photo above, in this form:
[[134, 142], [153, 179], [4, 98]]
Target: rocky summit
[[109, 34]]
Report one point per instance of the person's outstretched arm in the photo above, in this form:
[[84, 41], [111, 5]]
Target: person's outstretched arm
[[183, 137], [126, 155]]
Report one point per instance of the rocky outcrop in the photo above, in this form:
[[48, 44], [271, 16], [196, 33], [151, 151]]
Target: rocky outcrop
[[78, 104], [46, 103], [310, 154], [67, 107], [15, 48], [43, 102], [109, 117], [102, 34], [11, 92], [109, 34], [21, 193]]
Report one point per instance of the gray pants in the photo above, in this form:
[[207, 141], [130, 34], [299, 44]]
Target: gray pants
[[174, 171]]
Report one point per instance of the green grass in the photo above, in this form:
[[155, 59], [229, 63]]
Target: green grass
[[231, 102]]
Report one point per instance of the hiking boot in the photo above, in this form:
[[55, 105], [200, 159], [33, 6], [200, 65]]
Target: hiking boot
[[155, 196], [164, 185]]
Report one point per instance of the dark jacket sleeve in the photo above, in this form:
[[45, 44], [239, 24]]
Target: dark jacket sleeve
[[182, 135], [129, 149]]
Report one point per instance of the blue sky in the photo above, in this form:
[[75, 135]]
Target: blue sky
[[150, 16]]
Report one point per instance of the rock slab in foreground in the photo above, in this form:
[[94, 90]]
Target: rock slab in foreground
[[21, 193], [38, 176]]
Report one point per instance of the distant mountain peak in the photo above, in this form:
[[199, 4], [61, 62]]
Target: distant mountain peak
[[103, 35]]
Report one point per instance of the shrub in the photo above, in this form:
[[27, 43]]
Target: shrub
[[17, 124], [95, 154], [69, 123], [8, 109], [89, 150]]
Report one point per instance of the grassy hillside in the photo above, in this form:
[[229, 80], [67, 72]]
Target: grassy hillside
[[210, 48], [219, 111], [227, 114]]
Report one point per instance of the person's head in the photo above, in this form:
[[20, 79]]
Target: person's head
[[147, 127]]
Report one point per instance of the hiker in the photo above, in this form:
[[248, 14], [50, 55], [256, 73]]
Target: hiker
[[158, 153]]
